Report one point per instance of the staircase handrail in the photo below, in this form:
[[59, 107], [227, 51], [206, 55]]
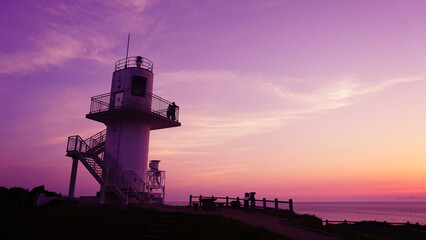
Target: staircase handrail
[[96, 138], [76, 143], [137, 183], [86, 147]]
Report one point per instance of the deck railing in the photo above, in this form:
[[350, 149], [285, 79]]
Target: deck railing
[[150, 102], [136, 61]]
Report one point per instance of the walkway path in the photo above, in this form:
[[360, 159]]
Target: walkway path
[[273, 223]]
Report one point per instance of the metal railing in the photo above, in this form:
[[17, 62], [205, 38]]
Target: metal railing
[[135, 61], [135, 181], [76, 143], [156, 178], [96, 139], [150, 102], [126, 182]]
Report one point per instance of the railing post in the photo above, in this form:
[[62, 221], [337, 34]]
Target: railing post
[[190, 200], [253, 203], [276, 203], [75, 144], [290, 204], [264, 203], [200, 200], [227, 201]]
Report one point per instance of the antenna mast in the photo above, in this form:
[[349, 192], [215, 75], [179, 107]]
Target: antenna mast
[[127, 53]]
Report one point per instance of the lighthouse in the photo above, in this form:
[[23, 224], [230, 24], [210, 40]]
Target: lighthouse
[[118, 156]]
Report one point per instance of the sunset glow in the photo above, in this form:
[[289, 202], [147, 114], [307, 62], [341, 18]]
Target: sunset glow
[[309, 100]]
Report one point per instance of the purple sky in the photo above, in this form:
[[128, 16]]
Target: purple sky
[[311, 100]]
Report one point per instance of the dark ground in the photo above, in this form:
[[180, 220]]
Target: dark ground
[[65, 222]]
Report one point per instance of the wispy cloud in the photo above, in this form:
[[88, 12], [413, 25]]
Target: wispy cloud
[[263, 104], [74, 31]]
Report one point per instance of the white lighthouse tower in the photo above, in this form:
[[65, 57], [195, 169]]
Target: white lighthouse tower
[[118, 156]]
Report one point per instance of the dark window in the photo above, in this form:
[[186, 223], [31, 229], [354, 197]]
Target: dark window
[[138, 86]]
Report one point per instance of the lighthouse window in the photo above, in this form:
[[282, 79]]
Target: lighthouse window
[[138, 86]]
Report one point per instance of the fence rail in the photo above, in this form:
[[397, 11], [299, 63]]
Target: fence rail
[[227, 202]]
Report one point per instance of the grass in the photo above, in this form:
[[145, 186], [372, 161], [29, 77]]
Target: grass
[[57, 222], [66, 222]]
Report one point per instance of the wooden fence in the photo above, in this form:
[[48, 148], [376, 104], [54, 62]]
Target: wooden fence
[[228, 199]]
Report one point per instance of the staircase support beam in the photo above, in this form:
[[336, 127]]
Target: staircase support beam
[[73, 177]]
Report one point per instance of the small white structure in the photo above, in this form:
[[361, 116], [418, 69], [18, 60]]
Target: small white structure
[[156, 182]]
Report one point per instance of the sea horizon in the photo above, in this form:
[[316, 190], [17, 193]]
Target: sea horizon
[[389, 211]]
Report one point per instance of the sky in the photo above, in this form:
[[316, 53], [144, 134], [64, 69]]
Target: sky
[[308, 100]]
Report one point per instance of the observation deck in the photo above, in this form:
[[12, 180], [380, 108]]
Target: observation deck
[[136, 62], [153, 111]]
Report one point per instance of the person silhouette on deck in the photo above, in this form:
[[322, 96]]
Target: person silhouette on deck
[[171, 111]]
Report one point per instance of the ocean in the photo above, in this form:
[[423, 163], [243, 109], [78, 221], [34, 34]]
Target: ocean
[[394, 212]]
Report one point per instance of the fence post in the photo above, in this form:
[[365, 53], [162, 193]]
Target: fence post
[[264, 203], [326, 222], [190, 200], [290, 204], [227, 201], [276, 203], [200, 200]]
